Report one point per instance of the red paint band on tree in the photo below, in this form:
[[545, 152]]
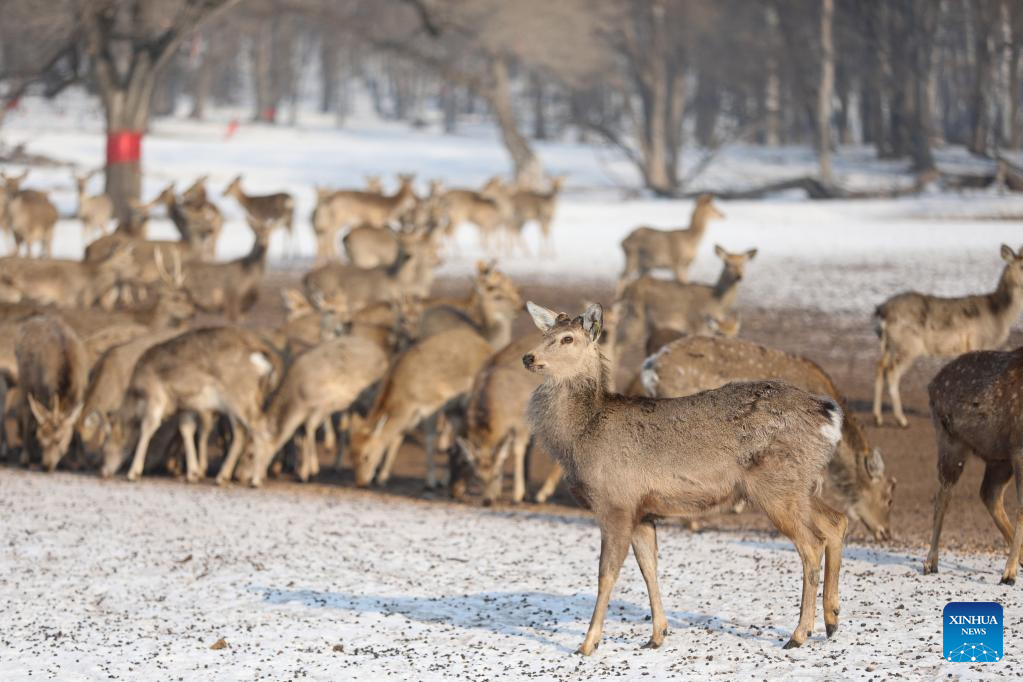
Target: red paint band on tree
[[124, 146]]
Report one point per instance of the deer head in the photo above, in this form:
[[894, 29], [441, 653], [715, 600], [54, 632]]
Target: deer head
[[569, 347], [54, 428]]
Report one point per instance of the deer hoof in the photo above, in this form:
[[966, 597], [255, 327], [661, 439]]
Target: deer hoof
[[1008, 581], [878, 420], [133, 476], [930, 568], [792, 644], [903, 422], [831, 629]]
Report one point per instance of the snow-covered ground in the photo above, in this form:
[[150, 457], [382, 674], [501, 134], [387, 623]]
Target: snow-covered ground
[[842, 256], [138, 581]]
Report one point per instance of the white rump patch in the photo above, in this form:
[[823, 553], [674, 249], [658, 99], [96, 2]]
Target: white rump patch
[[832, 429], [648, 374], [262, 363]]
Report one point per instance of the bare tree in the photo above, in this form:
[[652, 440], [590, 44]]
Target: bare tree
[[826, 89]]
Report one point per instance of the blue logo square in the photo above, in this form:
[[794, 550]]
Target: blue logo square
[[972, 632]]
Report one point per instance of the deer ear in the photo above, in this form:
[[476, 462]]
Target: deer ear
[[39, 410], [73, 415], [1007, 255], [751, 254], [593, 320], [875, 464], [719, 252], [543, 318]]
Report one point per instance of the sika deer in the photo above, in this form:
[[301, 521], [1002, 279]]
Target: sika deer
[[30, 216], [913, 325], [698, 363], [232, 287], [647, 303], [975, 407], [9, 185], [337, 210], [489, 310], [647, 248], [52, 373], [633, 460], [423, 380], [95, 211], [325, 379], [468, 206], [539, 206], [272, 210], [64, 282], [199, 224], [218, 369]]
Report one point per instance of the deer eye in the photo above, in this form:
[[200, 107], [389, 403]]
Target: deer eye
[[566, 339]]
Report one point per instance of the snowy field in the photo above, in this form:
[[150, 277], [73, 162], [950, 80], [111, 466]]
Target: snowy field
[[843, 256], [139, 581]]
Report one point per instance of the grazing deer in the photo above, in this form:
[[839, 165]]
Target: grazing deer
[[424, 379], [913, 325], [232, 287], [272, 210], [411, 274], [490, 309], [108, 382], [698, 363], [215, 369], [336, 210], [52, 373], [633, 460], [648, 248], [29, 215], [95, 211], [325, 379], [975, 407], [198, 223], [648, 303], [64, 282]]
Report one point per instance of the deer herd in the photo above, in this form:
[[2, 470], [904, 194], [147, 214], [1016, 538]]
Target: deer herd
[[145, 356]]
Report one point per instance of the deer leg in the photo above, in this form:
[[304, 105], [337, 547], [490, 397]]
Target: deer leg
[[879, 377], [550, 484], [519, 449], [431, 428], [206, 422], [951, 458], [644, 546], [615, 534], [1012, 564], [329, 434], [305, 467], [895, 372], [233, 452], [150, 423], [392, 454], [186, 427], [992, 492], [833, 524]]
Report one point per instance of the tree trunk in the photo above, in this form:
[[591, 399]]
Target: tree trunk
[[528, 171], [708, 105], [980, 128], [449, 103], [539, 111], [1015, 111], [202, 85], [127, 114], [328, 72], [826, 90], [262, 77], [772, 84]]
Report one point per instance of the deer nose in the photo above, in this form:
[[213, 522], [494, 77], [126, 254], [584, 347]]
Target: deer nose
[[528, 359]]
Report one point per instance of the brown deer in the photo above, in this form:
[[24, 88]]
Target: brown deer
[[633, 460], [47, 281], [95, 211], [325, 379], [975, 408], [213, 369], [490, 309], [374, 184], [198, 223], [912, 325], [272, 210], [52, 373], [411, 273], [461, 206], [648, 303], [29, 215], [231, 287], [698, 363], [336, 210], [530, 205], [648, 248], [424, 379]]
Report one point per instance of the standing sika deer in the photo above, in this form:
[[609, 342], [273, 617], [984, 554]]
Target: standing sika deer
[[52, 372], [529, 205], [634, 460], [975, 407], [336, 210], [95, 211], [29, 215], [912, 325], [647, 248], [272, 210], [697, 363]]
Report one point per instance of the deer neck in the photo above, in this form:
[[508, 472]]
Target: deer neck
[[726, 290], [1007, 299], [698, 222], [561, 411]]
